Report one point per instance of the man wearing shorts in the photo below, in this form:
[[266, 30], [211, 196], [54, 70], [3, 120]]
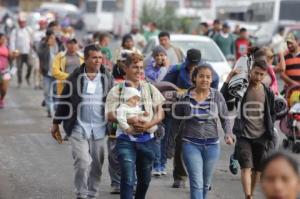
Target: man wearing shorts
[[254, 127]]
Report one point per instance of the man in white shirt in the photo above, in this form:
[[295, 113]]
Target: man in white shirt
[[278, 43], [138, 38], [20, 45]]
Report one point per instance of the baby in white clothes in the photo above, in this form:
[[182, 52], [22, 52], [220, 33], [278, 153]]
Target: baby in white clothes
[[129, 109]]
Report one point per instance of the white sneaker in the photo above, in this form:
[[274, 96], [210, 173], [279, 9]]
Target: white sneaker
[[164, 172], [156, 173]]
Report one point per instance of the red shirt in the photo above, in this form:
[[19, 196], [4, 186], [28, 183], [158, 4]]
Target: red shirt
[[241, 47]]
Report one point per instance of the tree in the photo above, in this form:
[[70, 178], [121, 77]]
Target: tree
[[165, 18]]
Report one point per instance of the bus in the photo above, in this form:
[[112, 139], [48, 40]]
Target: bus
[[99, 15], [264, 17], [258, 11], [270, 15], [274, 11], [203, 9]]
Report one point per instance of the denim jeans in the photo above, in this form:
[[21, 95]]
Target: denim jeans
[[49, 92], [200, 161], [135, 157]]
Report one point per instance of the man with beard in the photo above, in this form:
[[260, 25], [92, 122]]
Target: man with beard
[[291, 76]]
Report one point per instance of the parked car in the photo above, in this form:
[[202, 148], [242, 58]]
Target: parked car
[[211, 53]]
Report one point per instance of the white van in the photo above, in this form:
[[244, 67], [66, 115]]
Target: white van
[[270, 14], [274, 11], [99, 15]]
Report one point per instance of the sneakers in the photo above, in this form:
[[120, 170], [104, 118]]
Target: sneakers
[[178, 184], [2, 104], [233, 165], [156, 172], [114, 189], [163, 171]]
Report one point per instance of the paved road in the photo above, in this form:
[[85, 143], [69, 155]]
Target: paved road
[[34, 166]]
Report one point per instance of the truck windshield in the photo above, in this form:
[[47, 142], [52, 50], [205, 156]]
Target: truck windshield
[[289, 10], [109, 5], [91, 6]]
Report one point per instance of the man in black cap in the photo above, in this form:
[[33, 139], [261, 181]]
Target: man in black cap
[[180, 76]]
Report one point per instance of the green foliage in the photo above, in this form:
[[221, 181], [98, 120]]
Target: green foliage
[[165, 18]]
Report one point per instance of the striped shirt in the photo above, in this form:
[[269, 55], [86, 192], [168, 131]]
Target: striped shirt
[[193, 127], [293, 66], [200, 110]]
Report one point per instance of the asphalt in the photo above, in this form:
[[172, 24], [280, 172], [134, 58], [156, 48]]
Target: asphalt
[[34, 166]]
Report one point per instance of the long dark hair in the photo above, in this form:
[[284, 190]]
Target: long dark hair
[[48, 34], [125, 38]]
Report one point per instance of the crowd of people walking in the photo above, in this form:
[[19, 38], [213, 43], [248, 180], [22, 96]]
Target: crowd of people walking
[[97, 92]]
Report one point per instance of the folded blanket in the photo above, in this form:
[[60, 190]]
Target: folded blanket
[[240, 82]]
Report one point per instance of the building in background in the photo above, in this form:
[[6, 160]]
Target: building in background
[[29, 5]]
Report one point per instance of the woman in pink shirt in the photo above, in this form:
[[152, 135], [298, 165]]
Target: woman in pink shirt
[[4, 69]]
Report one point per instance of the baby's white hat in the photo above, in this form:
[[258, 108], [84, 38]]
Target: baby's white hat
[[130, 92]]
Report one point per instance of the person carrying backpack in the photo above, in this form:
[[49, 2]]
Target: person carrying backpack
[[136, 154]]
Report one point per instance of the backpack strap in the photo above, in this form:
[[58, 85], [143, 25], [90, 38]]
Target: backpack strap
[[150, 91], [151, 94], [120, 89]]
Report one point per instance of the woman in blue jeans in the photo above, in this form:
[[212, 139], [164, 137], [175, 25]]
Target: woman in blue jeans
[[198, 111]]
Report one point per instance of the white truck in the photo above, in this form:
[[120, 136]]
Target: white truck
[[98, 15]]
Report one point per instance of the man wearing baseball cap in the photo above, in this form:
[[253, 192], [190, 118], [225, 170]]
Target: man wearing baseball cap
[[291, 76], [20, 40], [180, 76], [225, 40]]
